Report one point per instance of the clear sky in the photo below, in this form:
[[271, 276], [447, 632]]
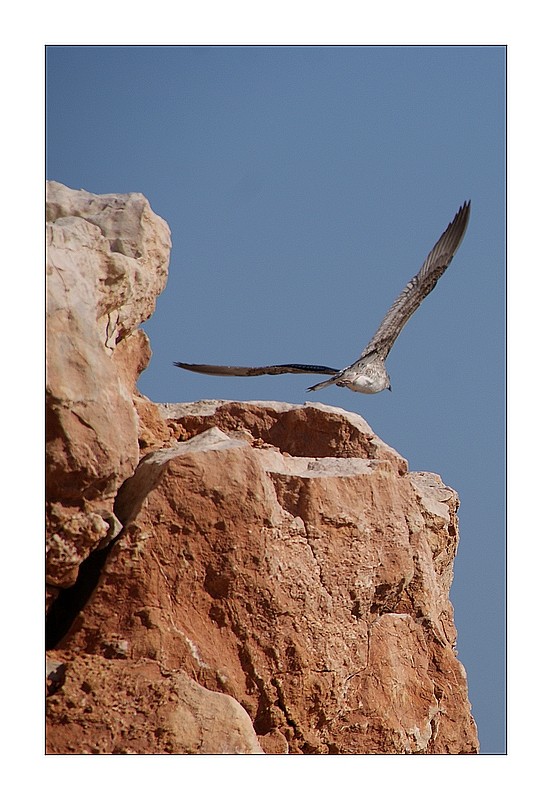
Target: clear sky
[[304, 187]]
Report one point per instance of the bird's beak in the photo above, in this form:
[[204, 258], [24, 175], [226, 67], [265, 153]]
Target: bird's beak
[[389, 388]]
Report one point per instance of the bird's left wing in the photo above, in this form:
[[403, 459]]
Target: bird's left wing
[[420, 286], [275, 369]]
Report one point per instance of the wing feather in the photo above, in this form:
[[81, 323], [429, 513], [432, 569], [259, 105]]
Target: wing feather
[[420, 286], [275, 369]]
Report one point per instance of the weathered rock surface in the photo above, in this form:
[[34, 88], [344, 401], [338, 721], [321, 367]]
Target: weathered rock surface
[[107, 262], [276, 579], [126, 707]]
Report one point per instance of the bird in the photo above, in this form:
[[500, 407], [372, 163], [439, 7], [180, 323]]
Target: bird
[[368, 374]]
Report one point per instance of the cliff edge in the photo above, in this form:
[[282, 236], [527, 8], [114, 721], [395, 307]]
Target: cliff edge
[[226, 577]]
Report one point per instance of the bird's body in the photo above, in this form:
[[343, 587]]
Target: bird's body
[[368, 373]]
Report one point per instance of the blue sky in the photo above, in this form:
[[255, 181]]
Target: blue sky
[[304, 187]]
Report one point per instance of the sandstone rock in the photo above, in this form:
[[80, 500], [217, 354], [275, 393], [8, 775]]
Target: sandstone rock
[[127, 707], [311, 429], [312, 589], [268, 577], [107, 262]]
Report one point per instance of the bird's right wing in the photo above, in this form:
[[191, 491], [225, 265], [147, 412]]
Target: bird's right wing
[[275, 369], [420, 286]]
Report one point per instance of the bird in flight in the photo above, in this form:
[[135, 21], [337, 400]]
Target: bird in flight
[[368, 373]]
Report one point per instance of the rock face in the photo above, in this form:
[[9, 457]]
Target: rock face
[[276, 580], [107, 263], [125, 707]]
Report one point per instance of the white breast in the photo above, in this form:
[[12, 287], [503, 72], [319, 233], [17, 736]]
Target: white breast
[[362, 383], [370, 379]]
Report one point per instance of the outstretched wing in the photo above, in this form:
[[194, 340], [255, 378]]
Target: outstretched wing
[[420, 286], [275, 369]]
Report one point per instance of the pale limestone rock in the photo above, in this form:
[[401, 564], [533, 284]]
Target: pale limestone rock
[[107, 262], [130, 267]]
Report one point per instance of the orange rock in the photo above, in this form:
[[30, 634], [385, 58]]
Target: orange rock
[[312, 590], [130, 707], [269, 577]]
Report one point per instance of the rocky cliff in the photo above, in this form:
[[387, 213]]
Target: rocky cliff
[[226, 577]]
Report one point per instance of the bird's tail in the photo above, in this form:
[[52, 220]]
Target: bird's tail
[[323, 384]]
